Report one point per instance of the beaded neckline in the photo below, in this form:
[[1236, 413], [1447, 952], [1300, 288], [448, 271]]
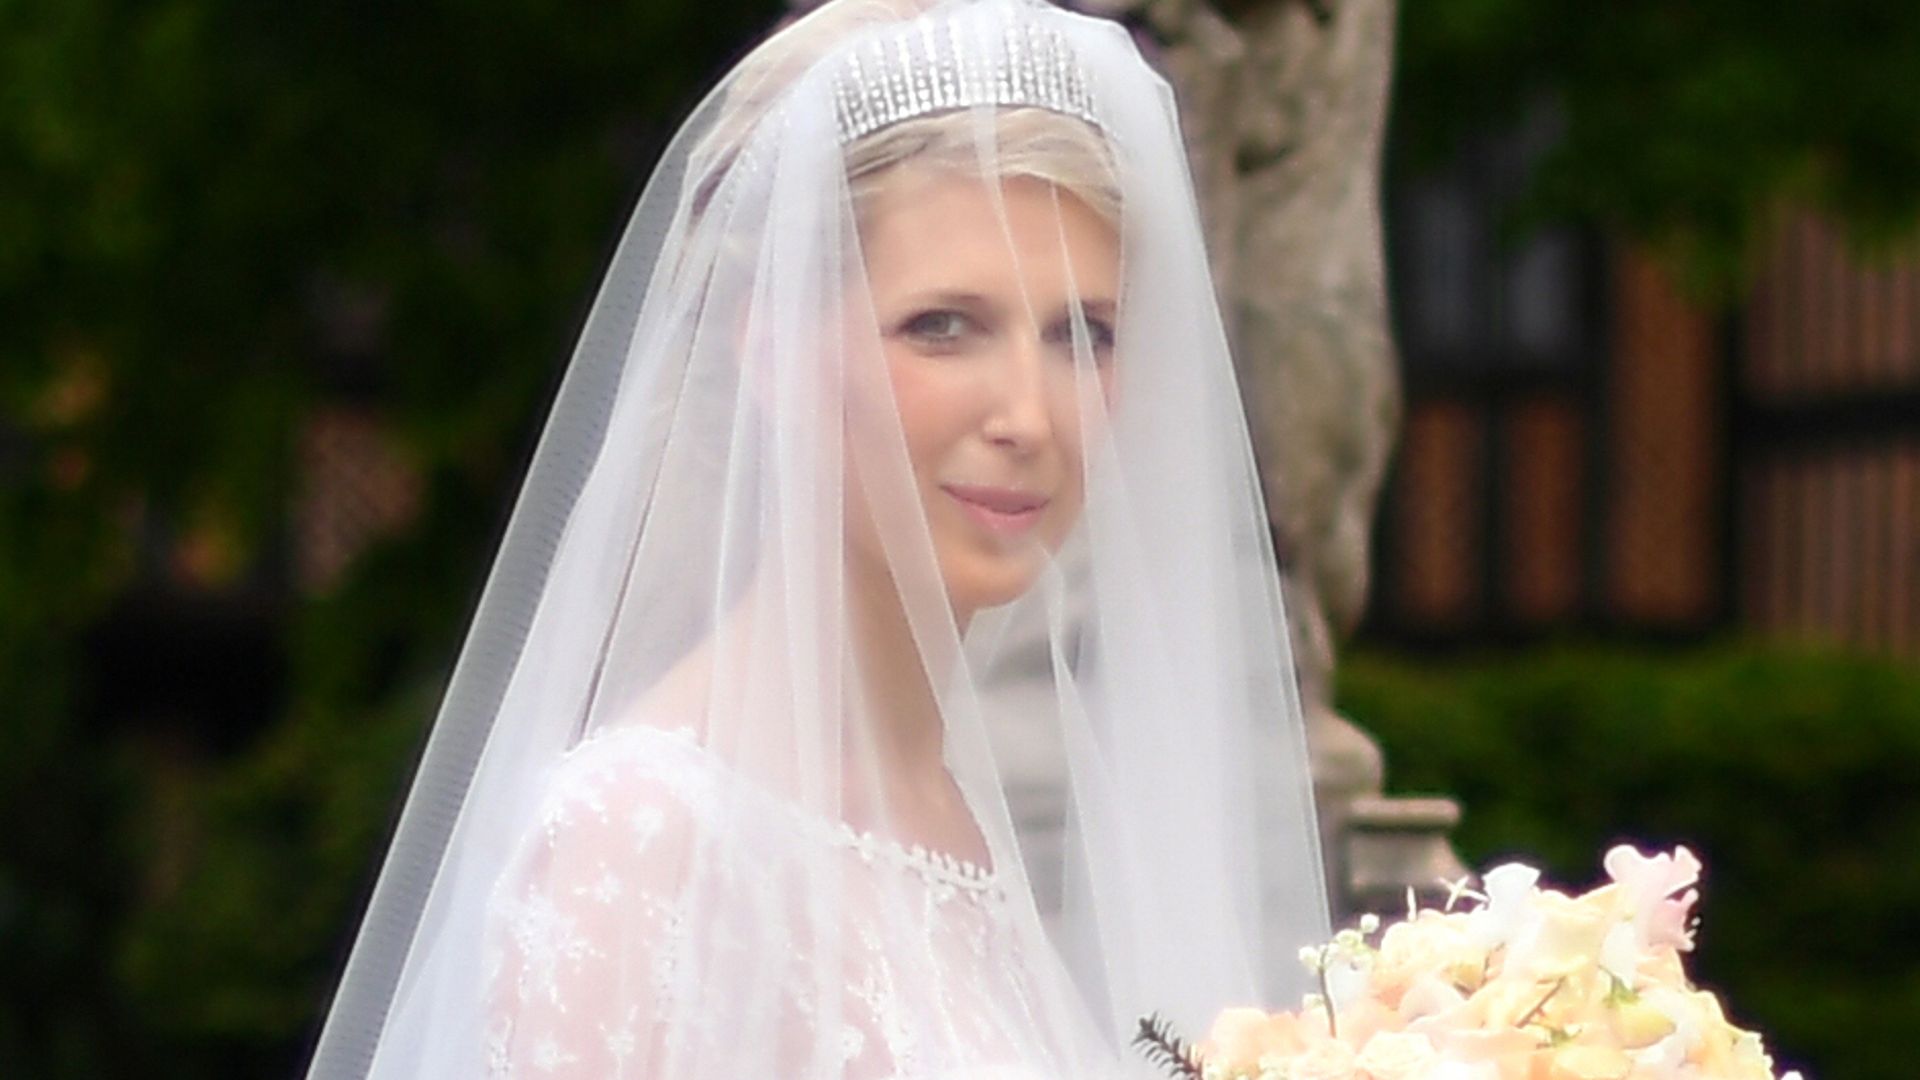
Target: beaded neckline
[[933, 866]]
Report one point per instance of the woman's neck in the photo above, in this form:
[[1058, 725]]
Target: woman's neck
[[895, 677], [904, 742]]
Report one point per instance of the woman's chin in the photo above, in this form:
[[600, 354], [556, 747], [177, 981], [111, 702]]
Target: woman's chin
[[977, 588]]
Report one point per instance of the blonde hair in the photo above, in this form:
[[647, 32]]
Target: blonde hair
[[1027, 142]]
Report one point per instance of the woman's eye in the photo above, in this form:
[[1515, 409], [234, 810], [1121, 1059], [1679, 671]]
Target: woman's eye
[[937, 327], [1100, 336]]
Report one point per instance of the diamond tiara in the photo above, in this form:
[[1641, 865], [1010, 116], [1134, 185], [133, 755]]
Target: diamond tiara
[[888, 79]]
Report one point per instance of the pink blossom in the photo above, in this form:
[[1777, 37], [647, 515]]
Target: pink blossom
[[1650, 883]]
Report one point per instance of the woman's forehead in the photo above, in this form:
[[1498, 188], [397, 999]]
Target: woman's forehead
[[931, 229]]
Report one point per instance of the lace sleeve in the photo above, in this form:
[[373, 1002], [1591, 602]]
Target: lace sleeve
[[584, 926]]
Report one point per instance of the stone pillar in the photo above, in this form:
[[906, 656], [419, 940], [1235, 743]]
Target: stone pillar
[[1284, 105]]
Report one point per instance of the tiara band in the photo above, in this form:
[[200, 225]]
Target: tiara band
[[885, 80]]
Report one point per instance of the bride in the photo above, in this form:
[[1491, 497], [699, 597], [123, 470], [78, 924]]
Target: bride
[[901, 449]]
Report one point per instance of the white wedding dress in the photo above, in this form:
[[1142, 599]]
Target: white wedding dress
[[938, 979]]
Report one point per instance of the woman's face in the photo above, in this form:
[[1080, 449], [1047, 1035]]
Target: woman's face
[[976, 319]]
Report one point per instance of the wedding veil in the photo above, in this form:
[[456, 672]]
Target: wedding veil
[[660, 827]]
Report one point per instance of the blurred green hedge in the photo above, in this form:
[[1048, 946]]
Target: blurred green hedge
[[1794, 775]]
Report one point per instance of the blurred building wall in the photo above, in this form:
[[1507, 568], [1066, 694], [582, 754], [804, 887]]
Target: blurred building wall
[[1587, 451], [1828, 421]]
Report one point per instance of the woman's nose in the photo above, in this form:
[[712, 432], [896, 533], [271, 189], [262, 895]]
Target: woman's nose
[[1022, 414]]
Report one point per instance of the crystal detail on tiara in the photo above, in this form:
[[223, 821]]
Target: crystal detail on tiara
[[886, 79]]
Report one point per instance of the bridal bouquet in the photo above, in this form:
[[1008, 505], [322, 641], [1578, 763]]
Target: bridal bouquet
[[1510, 982]]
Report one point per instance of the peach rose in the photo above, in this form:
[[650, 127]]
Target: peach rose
[[1362, 1019], [1396, 1055], [1429, 996], [1432, 944], [1330, 1060], [1569, 932], [1637, 1023], [1509, 1052], [1590, 1063], [1503, 1002], [1241, 1037]]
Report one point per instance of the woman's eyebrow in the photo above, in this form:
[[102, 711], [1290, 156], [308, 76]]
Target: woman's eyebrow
[[1090, 307], [958, 298]]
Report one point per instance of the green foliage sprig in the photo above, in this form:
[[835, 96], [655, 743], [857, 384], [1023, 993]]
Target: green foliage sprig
[[1159, 1044]]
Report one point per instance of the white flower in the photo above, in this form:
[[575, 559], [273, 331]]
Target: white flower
[[1506, 914], [1456, 890], [546, 936], [1346, 979], [1620, 952]]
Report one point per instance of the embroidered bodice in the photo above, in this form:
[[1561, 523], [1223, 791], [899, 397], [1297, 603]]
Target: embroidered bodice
[[663, 901]]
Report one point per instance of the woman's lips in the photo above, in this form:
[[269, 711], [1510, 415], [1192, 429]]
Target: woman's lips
[[1002, 510]]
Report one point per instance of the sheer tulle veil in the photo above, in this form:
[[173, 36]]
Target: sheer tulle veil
[[660, 827]]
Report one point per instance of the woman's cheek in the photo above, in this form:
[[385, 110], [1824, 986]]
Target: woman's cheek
[[935, 403]]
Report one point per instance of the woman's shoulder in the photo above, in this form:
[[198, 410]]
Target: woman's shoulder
[[624, 812], [638, 775], [651, 780], [644, 755]]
